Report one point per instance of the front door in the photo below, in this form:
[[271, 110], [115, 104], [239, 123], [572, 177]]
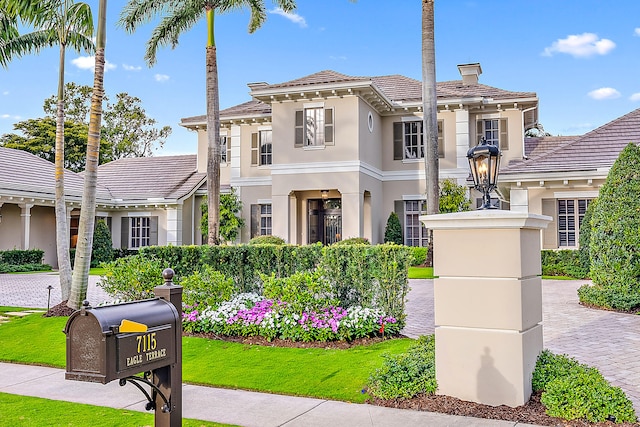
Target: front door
[[325, 220]]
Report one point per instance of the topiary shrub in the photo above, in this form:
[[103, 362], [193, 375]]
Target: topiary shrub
[[267, 240], [393, 230], [408, 374], [102, 250], [584, 253], [614, 240]]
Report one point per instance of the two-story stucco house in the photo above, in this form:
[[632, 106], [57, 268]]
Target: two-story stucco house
[[330, 156], [323, 158]]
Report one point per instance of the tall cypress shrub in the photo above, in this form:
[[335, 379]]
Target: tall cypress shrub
[[615, 235], [102, 250], [393, 230]]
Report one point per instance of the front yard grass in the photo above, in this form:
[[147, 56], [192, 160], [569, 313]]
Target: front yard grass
[[24, 411], [421, 273], [314, 372]]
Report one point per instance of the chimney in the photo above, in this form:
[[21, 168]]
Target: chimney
[[470, 73]]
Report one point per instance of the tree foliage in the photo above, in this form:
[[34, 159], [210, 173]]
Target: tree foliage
[[393, 230], [230, 220], [102, 244], [615, 238], [453, 197]]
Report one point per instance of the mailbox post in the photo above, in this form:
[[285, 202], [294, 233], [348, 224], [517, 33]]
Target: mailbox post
[[119, 341]]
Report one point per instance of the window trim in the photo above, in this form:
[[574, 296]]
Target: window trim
[[327, 123]]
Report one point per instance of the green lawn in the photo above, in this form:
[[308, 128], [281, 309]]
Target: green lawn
[[314, 372], [420, 272], [23, 411]]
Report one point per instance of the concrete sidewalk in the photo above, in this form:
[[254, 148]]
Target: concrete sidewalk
[[235, 407]]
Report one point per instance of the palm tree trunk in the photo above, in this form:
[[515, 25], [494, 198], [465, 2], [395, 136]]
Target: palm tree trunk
[[62, 230], [430, 115], [82, 263], [213, 135]]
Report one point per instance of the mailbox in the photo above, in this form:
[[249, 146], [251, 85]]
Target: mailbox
[[117, 341]]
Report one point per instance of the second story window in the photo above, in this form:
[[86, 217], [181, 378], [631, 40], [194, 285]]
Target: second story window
[[314, 127], [261, 148], [494, 132], [225, 149], [408, 140]]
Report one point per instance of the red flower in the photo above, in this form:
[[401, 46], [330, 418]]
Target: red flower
[[382, 329]]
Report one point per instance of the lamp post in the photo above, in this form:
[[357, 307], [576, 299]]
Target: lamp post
[[49, 288], [484, 161]]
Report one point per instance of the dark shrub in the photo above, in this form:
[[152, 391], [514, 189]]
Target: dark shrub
[[393, 230], [102, 250]]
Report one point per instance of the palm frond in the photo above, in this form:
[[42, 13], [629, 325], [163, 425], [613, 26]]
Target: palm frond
[[28, 43], [170, 27], [139, 12]]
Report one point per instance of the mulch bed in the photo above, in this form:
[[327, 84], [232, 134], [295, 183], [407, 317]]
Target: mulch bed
[[531, 413]]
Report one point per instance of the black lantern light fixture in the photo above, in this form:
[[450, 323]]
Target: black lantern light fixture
[[484, 160]]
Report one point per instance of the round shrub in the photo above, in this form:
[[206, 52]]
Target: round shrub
[[267, 240], [208, 288], [615, 241], [132, 278]]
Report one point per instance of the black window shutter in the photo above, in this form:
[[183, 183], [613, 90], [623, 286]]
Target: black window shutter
[[255, 220], [299, 128], [124, 233], [398, 143]]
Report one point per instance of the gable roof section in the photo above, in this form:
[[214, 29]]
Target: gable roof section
[[25, 175], [595, 150], [164, 178]]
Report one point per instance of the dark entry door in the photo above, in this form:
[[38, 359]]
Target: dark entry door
[[325, 221]]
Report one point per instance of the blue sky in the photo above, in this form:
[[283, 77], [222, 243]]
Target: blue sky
[[582, 57]]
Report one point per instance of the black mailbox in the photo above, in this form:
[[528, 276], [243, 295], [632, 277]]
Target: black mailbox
[[116, 341]]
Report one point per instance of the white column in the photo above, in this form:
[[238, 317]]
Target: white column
[[280, 219], [519, 199], [235, 151], [462, 141], [25, 218], [352, 215], [174, 225]]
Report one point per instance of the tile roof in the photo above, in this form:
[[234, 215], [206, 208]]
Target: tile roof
[[595, 150], [143, 178], [398, 88], [32, 176]]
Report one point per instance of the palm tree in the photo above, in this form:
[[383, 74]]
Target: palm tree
[[86, 227], [62, 23], [430, 114], [181, 16]]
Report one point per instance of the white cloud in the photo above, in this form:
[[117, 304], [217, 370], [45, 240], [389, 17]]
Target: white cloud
[[580, 46], [89, 63], [338, 58], [128, 67], [161, 77], [604, 93], [635, 97], [5, 93], [636, 32], [293, 17], [9, 117]]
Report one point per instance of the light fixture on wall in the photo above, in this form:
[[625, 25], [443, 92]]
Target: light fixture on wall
[[484, 161], [325, 194]]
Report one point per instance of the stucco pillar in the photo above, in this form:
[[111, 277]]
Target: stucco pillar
[[352, 215], [25, 219], [519, 199], [280, 221], [462, 139], [488, 304]]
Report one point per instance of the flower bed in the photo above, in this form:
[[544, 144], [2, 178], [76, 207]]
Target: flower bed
[[250, 314]]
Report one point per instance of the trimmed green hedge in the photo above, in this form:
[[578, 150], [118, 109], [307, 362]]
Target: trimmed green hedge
[[21, 257], [564, 262], [365, 275]]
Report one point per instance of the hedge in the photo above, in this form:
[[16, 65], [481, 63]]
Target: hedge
[[21, 257]]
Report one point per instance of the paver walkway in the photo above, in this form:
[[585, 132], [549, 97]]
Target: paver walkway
[[606, 340]]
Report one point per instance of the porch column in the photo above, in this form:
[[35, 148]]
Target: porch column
[[488, 304], [293, 215], [519, 199], [462, 141], [174, 225], [25, 219], [352, 215], [280, 220]]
